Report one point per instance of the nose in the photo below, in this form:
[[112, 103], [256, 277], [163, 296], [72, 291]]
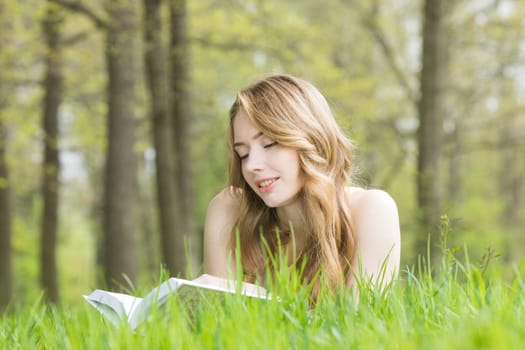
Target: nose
[[255, 161]]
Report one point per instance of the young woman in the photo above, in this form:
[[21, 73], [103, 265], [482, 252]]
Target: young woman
[[290, 185]]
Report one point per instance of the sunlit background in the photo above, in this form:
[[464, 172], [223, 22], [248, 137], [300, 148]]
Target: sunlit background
[[365, 56]]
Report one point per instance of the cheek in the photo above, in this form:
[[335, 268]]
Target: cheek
[[243, 171], [293, 164], [246, 176]]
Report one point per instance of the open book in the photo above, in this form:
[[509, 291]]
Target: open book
[[118, 307]]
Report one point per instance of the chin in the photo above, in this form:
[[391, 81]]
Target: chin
[[271, 204], [274, 203]]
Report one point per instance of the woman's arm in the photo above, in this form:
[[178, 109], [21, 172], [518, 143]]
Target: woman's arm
[[218, 227], [218, 264], [376, 225]]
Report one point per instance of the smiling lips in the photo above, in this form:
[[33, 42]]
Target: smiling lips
[[267, 184]]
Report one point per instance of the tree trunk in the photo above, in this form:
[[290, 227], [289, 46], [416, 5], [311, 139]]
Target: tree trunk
[[455, 188], [511, 185], [156, 74], [181, 115], [121, 165], [430, 109], [51, 162], [6, 272]]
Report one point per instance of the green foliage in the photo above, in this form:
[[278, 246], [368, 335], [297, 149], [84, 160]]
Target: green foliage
[[232, 44]]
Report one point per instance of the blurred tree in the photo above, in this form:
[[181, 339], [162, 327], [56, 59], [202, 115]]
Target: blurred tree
[[511, 184], [53, 82], [364, 55], [172, 244], [181, 123], [511, 181], [6, 273], [482, 124], [430, 111], [120, 258]]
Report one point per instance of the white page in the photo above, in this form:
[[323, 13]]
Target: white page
[[122, 305], [128, 302], [156, 296]]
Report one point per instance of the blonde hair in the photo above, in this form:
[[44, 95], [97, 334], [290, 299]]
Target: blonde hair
[[294, 113]]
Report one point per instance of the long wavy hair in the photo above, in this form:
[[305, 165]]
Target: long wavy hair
[[294, 113]]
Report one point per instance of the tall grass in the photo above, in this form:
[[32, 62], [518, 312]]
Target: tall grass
[[456, 304]]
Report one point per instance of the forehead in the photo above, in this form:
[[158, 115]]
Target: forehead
[[243, 127]]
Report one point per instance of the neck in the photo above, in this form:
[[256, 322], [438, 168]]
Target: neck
[[291, 217]]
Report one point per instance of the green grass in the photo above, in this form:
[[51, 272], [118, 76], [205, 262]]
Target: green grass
[[458, 304], [461, 309]]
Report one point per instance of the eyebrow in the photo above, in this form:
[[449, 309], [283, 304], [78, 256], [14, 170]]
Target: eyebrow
[[255, 137]]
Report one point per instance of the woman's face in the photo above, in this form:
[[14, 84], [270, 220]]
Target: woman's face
[[271, 170]]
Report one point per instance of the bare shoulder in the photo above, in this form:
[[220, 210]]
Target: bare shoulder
[[374, 214], [222, 211], [376, 227], [225, 201], [363, 200]]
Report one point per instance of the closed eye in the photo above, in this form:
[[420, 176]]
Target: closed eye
[[271, 144]]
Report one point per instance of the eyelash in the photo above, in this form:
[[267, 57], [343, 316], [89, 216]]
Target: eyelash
[[271, 144], [275, 143]]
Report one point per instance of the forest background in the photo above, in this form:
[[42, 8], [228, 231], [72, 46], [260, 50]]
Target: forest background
[[113, 119]]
